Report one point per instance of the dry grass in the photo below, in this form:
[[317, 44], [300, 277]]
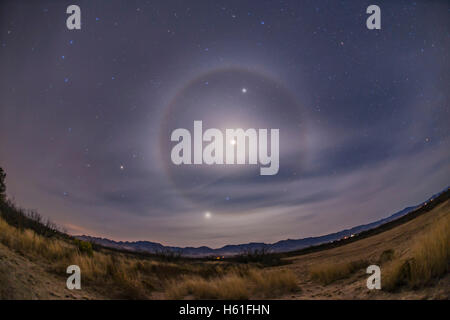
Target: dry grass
[[230, 286], [429, 259], [327, 273], [274, 282], [386, 256], [127, 277], [27, 241], [234, 285], [107, 270]]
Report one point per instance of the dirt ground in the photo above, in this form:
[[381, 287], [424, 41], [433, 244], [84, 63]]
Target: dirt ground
[[21, 278]]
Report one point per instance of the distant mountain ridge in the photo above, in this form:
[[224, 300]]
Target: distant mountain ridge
[[231, 250]]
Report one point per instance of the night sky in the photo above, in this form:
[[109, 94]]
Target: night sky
[[86, 115]]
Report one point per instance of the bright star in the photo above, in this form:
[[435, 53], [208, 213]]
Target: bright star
[[244, 90], [207, 215]]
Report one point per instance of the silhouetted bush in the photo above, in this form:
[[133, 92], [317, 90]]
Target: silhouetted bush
[[2, 185], [24, 219], [386, 255], [262, 256], [84, 247], [168, 255], [28, 219]]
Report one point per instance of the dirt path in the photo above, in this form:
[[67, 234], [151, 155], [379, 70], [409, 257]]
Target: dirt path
[[21, 278]]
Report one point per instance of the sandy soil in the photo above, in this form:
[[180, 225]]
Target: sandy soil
[[21, 278]]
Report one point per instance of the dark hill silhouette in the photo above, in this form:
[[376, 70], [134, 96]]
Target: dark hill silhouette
[[280, 246]]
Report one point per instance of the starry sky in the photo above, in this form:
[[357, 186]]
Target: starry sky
[[86, 115]]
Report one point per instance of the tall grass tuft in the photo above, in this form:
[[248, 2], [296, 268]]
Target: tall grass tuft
[[429, 259], [327, 273], [234, 285]]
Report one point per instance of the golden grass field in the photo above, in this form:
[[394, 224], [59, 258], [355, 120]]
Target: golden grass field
[[414, 259]]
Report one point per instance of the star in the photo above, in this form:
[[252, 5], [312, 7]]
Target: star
[[244, 90], [207, 215], [121, 167]]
